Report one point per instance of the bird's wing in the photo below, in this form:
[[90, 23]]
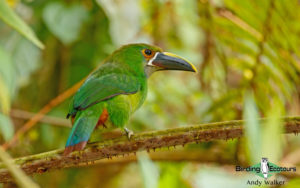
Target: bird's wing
[[97, 89]]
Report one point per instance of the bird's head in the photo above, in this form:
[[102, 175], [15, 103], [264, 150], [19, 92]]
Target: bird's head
[[146, 59]]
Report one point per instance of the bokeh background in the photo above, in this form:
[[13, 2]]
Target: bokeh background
[[247, 54]]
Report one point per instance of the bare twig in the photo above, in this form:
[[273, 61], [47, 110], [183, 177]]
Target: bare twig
[[22, 114], [38, 116], [44, 162]]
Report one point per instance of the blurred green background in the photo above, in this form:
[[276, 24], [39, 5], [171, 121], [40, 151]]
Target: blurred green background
[[247, 54]]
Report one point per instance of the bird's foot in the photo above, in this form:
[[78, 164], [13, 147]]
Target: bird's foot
[[128, 132]]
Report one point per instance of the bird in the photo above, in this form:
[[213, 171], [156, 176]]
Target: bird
[[264, 167], [113, 92]]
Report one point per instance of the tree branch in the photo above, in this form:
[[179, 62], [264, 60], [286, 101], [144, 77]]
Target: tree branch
[[178, 155], [44, 162], [25, 115]]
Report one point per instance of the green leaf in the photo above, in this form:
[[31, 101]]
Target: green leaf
[[149, 171], [65, 21], [19, 59], [26, 60], [4, 97], [6, 127], [7, 71], [252, 128], [7, 80], [272, 133], [12, 19]]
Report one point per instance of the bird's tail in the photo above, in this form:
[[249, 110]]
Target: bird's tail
[[81, 132]]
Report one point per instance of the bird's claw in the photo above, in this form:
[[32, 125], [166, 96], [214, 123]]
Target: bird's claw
[[128, 132]]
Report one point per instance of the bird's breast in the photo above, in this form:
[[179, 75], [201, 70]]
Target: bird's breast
[[134, 101]]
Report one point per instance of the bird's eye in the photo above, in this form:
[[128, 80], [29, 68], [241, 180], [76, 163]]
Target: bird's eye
[[147, 53]]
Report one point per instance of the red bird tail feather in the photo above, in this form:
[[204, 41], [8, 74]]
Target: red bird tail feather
[[76, 147]]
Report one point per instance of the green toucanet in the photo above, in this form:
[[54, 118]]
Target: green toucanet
[[116, 89]]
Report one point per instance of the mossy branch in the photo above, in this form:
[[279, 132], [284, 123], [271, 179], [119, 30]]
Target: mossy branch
[[44, 162]]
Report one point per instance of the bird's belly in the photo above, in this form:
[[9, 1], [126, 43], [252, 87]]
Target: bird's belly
[[134, 101], [121, 107]]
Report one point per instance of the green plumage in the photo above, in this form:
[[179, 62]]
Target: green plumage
[[117, 89], [119, 85]]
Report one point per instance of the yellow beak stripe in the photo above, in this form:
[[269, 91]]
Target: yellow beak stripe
[[177, 56]]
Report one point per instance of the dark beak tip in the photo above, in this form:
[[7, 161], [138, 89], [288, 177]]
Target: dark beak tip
[[193, 69], [169, 61]]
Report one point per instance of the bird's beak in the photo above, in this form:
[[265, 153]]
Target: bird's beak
[[169, 61]]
